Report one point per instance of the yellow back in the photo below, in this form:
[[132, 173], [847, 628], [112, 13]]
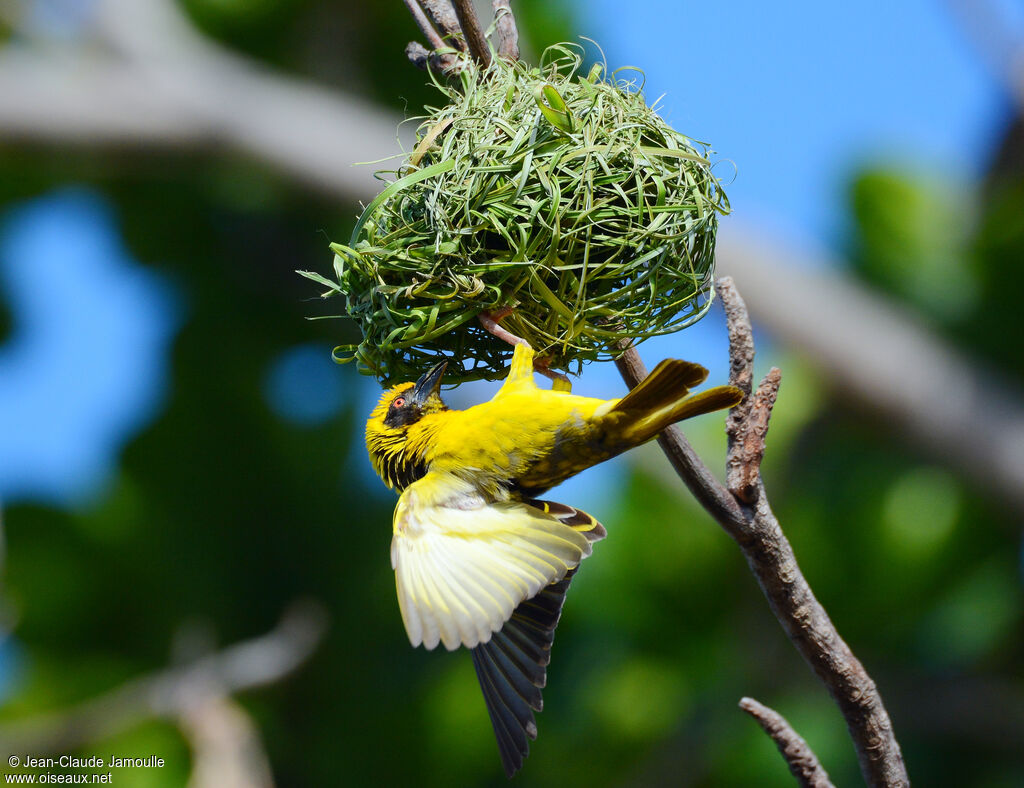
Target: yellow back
[[526, 439]]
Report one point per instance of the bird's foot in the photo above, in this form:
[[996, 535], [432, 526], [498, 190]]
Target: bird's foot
[[490, 321], [560, 382]]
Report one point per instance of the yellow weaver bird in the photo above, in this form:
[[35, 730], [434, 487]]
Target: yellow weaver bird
[[479, 560]]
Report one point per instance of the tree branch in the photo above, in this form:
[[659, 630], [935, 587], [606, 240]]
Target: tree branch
[[470, 23], [875, 354], [799, 757], [770, 557], [443, 16], [445, 61], [175, 691], [227, 751], [424, 24], [709, 492], [505, 29], [744, 463], [159, 85], [747, 424]]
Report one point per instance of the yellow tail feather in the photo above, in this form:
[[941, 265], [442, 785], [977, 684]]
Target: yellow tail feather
[[661, 400], [670, 381]]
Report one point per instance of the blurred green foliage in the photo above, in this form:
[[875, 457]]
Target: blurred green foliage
[[223, 513]]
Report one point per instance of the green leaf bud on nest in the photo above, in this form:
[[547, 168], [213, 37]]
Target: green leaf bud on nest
[[557, 193]]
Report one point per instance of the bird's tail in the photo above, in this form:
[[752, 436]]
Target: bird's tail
[[663, 398]]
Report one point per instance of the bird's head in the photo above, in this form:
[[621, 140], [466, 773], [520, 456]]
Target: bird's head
[[390, 424]]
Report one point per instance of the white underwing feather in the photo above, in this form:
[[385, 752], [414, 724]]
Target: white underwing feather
[[463, 564]]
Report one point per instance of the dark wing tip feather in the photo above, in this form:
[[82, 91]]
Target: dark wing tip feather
[[511, 666], [576, 519]]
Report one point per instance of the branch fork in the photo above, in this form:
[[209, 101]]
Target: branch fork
[[742, 509], [453, 31], [747, 424]]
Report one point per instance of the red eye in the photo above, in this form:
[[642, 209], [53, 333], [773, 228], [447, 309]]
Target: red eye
[[398, 402]]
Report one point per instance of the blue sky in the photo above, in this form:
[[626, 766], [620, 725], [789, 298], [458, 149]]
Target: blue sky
[[796, 95], [86, 364]]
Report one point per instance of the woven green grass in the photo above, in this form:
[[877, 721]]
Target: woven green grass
[[558, 193]]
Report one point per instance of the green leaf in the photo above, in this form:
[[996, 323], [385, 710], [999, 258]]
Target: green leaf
[[553, 108]]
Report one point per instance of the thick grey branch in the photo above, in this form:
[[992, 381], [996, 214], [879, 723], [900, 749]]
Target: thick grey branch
[[227, 751], [799, 757], [188, 95], [174, 691]]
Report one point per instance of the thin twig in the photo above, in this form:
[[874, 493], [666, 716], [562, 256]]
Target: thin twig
[[741, 337], [747, 423], [743, 465], [505, 30], [439, 56], [444, 61], [443, 16], [741, 375], [417, 54], [475, 39], [741, 357], [800, 758], [770, 557], [424, 24]]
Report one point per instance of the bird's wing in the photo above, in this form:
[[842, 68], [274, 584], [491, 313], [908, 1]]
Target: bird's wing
[[463, 563], [512, 665]]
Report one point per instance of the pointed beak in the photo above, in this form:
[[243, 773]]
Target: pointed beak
[[429, 384]]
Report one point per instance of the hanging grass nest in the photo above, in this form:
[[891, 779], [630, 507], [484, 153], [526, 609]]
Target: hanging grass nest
[[557, 193]]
